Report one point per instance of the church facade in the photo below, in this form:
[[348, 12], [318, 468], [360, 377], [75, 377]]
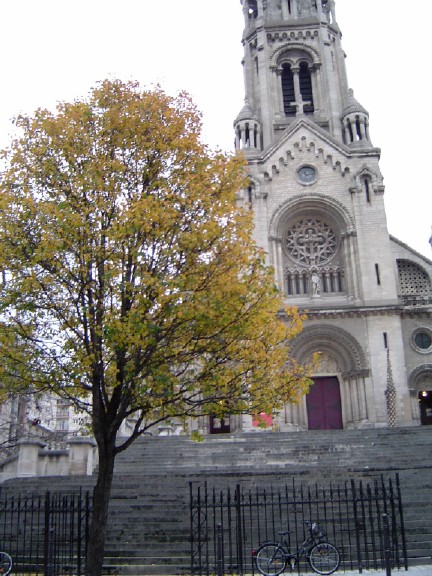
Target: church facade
[[317, 194]]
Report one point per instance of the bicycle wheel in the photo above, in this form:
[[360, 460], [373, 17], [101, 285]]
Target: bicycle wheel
[[270, 559], [324, 558], [5, 563]]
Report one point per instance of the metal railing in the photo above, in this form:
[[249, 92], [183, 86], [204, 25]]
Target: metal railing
[[227, 525], [46, 534]]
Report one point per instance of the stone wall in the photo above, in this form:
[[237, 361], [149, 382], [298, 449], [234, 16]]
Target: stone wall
[[33, 458]]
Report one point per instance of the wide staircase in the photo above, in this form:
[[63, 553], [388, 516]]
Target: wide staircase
[[149, 521]]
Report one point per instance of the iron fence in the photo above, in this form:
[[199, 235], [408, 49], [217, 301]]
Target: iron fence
[[227, 525], [46, 534]]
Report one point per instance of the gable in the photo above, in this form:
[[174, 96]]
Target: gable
[[314, 145]]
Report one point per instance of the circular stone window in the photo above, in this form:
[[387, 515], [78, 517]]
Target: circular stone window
[[310, 242], [307, 174], [421, 340]]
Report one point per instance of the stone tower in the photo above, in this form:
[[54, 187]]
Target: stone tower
[[317, 194]]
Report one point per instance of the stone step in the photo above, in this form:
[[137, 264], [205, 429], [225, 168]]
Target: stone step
[[149, 530]]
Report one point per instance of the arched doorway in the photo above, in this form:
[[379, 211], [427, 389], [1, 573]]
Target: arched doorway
[[338, 397], [220, 424], [420, 384], [425, 405], [323, 402]]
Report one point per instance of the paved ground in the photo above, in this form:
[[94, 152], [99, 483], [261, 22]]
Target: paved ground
[[412, 571]]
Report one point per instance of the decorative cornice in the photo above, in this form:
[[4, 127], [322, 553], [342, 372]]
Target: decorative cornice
[[294, 35], [360, 311]]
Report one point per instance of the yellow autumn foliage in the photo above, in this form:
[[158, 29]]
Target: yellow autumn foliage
[[133, 286]]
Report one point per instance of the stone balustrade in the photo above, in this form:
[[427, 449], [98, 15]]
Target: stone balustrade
[[34, 458]]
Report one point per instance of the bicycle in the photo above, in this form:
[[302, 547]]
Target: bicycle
[[5, 563], [324, 558]]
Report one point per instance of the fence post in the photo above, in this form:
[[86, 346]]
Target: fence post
[[219, 551], [357, 527], [239, 522], [49, 532], [402, 523], [387, 551]]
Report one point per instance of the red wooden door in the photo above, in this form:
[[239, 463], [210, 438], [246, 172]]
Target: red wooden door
[[324, 406]]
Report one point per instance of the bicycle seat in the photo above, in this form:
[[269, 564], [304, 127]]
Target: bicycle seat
[[284, 533]]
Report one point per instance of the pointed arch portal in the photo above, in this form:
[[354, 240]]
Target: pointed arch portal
[[338, 397]]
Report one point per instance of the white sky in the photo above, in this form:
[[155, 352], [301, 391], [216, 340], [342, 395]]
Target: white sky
[[55, 50]]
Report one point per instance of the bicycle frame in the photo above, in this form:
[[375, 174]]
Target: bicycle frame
[[304, 548], [271, 557]]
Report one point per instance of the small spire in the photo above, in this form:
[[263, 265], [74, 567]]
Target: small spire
[[352, 105], [245, 113]]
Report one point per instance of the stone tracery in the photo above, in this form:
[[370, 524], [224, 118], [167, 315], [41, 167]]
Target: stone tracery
[[311, 242]]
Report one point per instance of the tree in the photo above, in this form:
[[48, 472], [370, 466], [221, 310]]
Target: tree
[[131, 275]]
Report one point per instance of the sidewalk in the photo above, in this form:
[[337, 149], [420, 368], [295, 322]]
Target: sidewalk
[[412, 571]]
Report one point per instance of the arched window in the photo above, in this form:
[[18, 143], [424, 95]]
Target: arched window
[[414, 282], [253, 9], [367, 188], [288, 92], [313, 264], [306, 87]]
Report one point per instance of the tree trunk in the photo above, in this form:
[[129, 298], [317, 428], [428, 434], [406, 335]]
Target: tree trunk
[[101, 499]]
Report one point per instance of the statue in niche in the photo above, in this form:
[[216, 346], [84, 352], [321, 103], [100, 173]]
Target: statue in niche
[[316, 285]]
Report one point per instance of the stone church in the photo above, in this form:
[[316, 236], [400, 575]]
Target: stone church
[[317, 193]]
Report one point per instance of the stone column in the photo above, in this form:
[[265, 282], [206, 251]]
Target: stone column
[[237, 138], [277, 86], [298, 97], [276, 248], [316, 89]]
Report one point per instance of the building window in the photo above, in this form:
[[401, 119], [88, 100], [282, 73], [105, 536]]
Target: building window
[[367, 189], [313, 268], [421, 340], [253, 9], [311, 242], [414, 283], [377, 274], [306, 88], [288, 90]]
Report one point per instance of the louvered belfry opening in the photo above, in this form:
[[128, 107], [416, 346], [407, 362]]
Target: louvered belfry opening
[[306, 87], [288, 90]]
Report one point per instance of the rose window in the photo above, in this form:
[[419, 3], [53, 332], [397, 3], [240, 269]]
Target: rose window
[[311, 242]]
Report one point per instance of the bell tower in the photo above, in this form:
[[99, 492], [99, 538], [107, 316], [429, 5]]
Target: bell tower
[[317, 195], [294, 66]]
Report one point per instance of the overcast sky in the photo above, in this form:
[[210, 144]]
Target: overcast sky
[[55, 50]]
